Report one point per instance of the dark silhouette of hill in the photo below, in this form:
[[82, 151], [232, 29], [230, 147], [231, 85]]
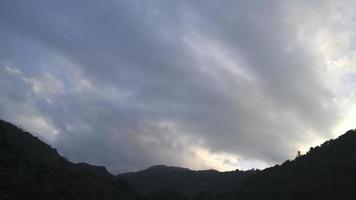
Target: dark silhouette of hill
[[31, 169], [188, 182], [325, 172]]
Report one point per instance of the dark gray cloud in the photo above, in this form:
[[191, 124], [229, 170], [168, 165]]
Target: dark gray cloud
[[129, 84]]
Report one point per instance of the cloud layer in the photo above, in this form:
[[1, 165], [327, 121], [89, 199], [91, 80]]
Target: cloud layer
[[200, 84]]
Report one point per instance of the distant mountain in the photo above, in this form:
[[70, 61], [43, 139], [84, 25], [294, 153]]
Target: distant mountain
[[188, 182], [31, 169]]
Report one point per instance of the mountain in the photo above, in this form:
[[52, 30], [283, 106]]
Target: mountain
[[325, 172], [31, 169], [188, 182]]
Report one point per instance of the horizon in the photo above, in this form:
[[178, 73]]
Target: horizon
[[201, 85], [181, 167]]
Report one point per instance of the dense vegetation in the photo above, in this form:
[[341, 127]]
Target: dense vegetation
[[31, 169]]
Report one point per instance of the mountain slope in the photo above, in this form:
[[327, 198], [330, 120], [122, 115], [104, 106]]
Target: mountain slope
[[30, 169], [325, 172]]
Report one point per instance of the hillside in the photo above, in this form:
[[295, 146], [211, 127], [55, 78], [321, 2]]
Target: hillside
[[31, 169], [325, 172]]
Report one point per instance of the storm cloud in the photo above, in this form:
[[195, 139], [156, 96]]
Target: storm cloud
[[199, 84]]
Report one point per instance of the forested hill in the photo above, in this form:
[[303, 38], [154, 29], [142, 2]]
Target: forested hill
[[325, 172], [31, 169]]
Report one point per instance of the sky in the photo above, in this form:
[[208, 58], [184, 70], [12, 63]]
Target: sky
[[230, 84]]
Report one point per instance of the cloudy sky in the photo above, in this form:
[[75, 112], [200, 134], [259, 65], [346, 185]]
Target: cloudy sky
[[201, 84]]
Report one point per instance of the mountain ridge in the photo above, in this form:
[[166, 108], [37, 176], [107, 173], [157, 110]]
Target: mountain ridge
[[31, 169], [174, 168], [183, 180]]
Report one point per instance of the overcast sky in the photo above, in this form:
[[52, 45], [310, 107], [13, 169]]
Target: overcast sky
[[201, 84]]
